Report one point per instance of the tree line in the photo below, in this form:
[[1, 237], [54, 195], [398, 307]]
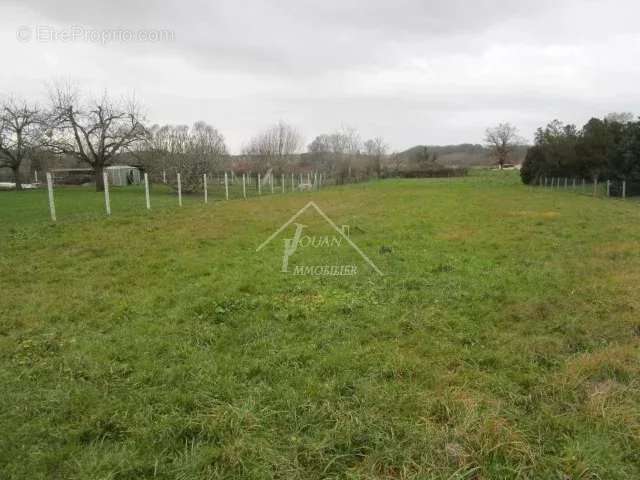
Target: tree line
[[603, 149], [100, 131]]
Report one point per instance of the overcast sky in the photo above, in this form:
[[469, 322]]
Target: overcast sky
[[412, 71]]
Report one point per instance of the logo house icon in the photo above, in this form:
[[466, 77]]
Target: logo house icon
[[291, 244]]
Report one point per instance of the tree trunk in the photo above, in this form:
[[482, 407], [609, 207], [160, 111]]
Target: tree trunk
[[17, 177], [99, 169]]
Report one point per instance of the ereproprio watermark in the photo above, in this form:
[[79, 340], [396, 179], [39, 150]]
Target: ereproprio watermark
[[299, 240], [81, 33]]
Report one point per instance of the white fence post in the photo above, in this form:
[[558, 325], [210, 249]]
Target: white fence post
[[244, 185], [283, 189], [164, 177], [36, 175], [271, 178], [595, 187], [204, 179], [608, 188], [624, 189], [226, 186], [259, 185], [52, 205], [146, 191], [179, 190], [107, 200], [293, 183]]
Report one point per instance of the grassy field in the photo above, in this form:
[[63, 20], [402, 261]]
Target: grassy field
[[502, 341]]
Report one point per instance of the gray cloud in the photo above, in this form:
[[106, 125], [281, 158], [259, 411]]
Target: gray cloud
[[413, 71]]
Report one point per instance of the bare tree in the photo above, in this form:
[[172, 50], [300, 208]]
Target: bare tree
[[20, 134], [396, 162], [273, 147], [502, 141], [346, 141], [94, 131], [338, 152], [188, 151], [321, 144], [376, 148], [346, 144]]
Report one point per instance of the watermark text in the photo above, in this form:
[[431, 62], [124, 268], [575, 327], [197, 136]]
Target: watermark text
[[81, 33]]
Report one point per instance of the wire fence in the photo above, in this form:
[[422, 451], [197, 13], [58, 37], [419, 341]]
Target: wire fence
[[596, 188], [171, 191]]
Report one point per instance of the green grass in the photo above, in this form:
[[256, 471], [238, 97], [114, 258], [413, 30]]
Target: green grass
[[82, 203], [502, 342]]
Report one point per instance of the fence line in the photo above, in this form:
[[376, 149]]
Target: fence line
[[595, 188], [218, 185]]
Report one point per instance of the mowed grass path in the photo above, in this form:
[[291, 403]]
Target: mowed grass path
[[502, 342]]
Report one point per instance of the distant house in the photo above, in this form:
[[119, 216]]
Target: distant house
[[118, 175], [123, 175]]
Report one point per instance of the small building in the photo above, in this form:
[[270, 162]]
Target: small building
[[123, 175]]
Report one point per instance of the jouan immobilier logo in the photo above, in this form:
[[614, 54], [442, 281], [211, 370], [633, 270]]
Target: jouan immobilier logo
[[303, 238]]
